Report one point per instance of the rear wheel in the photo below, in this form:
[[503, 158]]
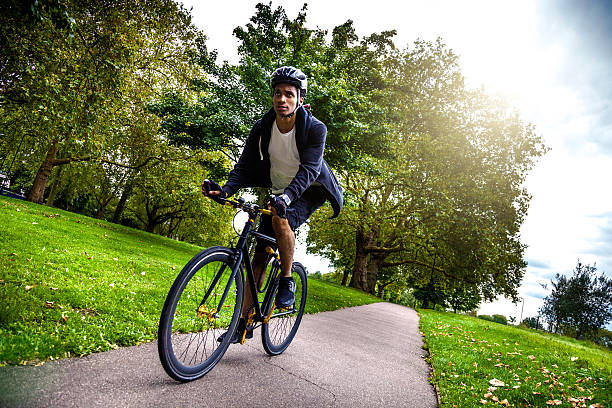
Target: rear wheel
[[190, 323], [278, 332]]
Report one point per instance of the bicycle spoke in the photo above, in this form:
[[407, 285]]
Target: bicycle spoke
[[278, 333], [196, 323]]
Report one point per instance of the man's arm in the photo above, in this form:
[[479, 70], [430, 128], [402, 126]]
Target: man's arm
[[243, 172]]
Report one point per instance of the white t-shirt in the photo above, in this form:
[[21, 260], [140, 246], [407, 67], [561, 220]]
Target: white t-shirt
[[284, 158]]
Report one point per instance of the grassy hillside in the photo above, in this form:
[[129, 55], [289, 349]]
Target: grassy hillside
[[478, 363], [72, 285]]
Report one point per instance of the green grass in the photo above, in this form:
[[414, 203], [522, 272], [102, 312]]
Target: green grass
[[72, 285], [471, 358]]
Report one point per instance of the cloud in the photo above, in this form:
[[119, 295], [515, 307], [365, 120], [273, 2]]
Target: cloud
[[583, 31], [536, 294], [601, 245], [537, 263]]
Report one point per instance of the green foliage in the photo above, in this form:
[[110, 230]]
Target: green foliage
[[463, 299], [446, 209], [476, 362], [531, 322], [123, 110], [76, 93], [601, 336], [497, 318], [580, 304], [344, 79]]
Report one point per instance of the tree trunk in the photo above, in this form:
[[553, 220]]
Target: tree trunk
[[54, 186], [102, 206], [376, 262], [345, 276], [381, 291], [127, 192], [37, 191], [359, 279], [151, 219]]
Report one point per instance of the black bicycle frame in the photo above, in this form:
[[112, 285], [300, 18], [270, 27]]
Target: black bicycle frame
[[241, 253]]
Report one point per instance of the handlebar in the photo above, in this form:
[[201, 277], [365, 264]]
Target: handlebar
[[242, 205]]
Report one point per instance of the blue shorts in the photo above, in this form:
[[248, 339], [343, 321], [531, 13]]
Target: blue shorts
[[297, 214]]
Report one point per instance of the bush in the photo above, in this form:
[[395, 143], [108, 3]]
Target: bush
[[407, 298], [602, 337], [486, 317], [530, 322], [497, 318]]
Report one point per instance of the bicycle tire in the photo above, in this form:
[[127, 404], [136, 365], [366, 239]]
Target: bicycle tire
[[187, 335], [278, 332]]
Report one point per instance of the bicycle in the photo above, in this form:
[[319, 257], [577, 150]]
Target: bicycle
[[206, 299]]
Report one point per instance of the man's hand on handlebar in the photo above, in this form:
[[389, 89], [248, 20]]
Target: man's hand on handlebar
[[213, 190], [277, 205]]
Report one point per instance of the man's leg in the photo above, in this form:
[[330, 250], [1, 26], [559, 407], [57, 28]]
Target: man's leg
[[285, 239]]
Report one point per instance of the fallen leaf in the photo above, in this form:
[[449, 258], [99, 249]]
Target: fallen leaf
[[49, 304], [573, 358], [115, 259], [494, 398], [554, 402], [28, 287], [497, 383], [142, 273], [488, 395], [531, 357], [112, 285], [54, 288], [516, 386], [65, 318], [483, 402], [504, 402]]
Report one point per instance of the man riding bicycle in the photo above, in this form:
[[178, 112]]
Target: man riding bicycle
[[284, 151]]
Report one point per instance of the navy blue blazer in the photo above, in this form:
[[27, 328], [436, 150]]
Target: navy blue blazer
[[253, 167]]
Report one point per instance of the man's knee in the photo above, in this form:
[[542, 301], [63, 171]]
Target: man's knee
[[281, 226]]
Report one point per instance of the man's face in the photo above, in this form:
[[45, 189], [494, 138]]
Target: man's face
[[285, 99]]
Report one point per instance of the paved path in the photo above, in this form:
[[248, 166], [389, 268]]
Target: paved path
[[367, 356]]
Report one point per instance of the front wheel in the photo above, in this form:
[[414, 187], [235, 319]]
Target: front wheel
[[278, 332], [191, 320]]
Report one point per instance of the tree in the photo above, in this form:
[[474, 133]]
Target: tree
[[448, 199], [73, 88], [464, 299], [531, 322], [579, 304]]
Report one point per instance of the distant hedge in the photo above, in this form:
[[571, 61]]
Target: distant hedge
[[497, 318]]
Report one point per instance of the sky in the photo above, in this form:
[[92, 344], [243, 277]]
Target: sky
[[550, 59]]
